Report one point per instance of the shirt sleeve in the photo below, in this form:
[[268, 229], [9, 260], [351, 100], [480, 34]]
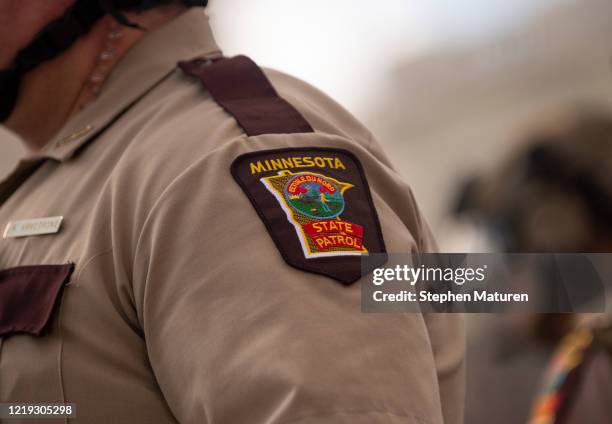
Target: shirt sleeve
[[447, 335], [235, 335]]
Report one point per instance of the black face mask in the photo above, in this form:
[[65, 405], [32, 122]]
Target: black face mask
[[9, 88], [60, 34]]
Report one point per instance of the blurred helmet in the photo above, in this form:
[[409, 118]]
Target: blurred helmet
[[555, 195]]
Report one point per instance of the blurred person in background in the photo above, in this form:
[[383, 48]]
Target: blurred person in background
[[554, 195], [158, 262]]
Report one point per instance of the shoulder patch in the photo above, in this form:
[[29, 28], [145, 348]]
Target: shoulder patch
[[316, 205]]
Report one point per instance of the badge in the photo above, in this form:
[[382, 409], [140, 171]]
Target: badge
[[33, 227], [316, 205]]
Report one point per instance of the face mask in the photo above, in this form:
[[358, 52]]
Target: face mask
[[60, 34]]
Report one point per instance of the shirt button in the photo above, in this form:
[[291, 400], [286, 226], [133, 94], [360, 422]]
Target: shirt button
[[202, 62]]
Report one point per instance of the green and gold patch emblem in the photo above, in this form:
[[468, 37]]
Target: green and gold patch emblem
[[314, 203]]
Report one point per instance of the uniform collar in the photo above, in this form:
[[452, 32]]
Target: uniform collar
[[143, 67]]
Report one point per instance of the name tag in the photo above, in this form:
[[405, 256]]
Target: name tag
[[33, 227]]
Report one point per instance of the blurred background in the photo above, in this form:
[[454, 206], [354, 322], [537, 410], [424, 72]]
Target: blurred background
[[451, 88]]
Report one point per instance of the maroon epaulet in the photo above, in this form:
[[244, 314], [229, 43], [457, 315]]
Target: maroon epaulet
[[239, 86]]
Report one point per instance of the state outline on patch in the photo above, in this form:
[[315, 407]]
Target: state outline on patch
[[303, 238]]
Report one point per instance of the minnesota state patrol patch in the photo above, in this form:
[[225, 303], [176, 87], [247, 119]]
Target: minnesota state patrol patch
[[316, 205]]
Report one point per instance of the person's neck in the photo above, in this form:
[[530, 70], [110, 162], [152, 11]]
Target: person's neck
[[56, 90]]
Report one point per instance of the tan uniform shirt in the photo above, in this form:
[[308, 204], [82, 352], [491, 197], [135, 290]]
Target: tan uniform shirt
[[180, 307]]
